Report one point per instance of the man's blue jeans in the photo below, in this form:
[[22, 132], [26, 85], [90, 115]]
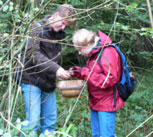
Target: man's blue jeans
[[39, 106], [103, 124]]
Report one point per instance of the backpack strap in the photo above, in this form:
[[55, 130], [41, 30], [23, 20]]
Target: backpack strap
[[42, 30], [18, 69], [99, 56], [42, 35], [99, 59], [114, 88], [124, 66]]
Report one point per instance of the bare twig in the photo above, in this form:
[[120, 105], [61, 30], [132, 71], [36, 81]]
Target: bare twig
[[150, 13], [140, 125]]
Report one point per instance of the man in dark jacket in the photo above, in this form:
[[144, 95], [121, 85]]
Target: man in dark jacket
[[41, 68]]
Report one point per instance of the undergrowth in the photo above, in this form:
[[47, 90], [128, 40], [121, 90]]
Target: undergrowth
[[76, 123]]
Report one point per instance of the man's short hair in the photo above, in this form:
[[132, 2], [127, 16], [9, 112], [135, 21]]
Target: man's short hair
[[67, 10]]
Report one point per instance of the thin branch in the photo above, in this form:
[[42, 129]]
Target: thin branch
[[4, 4], [139, 126], [150, 13], [149, 134]]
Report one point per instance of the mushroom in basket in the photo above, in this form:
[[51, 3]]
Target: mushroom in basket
[[70, 88]]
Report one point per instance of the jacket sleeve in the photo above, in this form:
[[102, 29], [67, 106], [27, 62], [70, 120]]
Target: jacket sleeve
[[34, 53], [111, 70]]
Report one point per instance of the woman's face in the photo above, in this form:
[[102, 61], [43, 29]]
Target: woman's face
[[84, 50]]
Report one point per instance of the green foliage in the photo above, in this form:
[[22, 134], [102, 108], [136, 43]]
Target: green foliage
[[70, 130], [12, 131], [137, 109]]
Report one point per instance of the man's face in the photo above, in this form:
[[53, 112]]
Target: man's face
[[60, 24]]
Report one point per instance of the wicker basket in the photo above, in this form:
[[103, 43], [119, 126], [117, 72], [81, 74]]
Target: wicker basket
[[70, 88]]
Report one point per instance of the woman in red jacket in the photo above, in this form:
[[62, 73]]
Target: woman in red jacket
[[101, 79]]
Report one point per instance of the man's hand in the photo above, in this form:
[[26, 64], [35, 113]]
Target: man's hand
[[62, 74]]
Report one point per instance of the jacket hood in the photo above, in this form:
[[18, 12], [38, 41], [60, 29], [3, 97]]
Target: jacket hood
[[105, 39]]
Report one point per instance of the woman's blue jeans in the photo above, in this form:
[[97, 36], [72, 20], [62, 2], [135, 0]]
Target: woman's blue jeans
[[39, 106], [103, 124]]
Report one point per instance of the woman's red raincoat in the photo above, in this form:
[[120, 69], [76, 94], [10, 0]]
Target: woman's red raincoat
[[100, 88]]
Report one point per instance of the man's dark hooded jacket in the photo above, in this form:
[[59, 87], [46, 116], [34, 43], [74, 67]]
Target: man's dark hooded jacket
[[41, 56]]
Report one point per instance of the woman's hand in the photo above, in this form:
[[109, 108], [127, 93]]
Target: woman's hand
[[71, 71], [74, 70]]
